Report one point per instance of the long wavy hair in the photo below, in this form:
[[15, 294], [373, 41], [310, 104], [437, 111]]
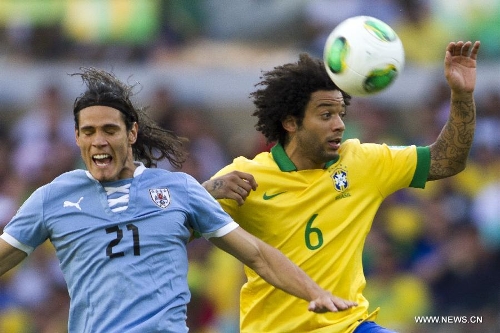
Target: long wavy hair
[[153, 142]]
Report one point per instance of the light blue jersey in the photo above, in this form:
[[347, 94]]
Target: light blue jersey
[[126, 271]]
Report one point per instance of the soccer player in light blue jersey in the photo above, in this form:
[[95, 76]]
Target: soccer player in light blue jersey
[[120, 227]]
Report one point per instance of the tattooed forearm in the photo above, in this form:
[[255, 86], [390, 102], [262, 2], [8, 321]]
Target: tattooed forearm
[[450, 151]]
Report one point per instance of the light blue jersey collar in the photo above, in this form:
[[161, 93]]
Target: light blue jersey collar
[[139, 170]]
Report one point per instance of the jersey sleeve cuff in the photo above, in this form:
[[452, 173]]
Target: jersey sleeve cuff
[[422, 170], [17, 244], [222, 231]]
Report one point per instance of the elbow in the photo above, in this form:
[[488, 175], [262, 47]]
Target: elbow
[[446, 164], [439, 171]]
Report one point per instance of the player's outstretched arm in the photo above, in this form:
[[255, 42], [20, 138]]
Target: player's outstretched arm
[[235, 185], [450, 151], [9, 256], [279, 271]]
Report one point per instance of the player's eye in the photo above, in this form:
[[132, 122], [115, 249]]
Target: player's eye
[[326, 115], [87, 132]]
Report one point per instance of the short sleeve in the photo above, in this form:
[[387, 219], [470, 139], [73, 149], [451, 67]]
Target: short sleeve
[[27, 226]]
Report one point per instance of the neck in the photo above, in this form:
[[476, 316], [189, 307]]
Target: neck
[[300, 159]]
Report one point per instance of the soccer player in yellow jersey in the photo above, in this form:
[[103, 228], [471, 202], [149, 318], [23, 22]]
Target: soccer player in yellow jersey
[[317, 196]]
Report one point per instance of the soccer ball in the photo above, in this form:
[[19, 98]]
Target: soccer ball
[[363, 55]]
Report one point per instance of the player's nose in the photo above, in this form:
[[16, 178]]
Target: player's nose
[[337, 124]]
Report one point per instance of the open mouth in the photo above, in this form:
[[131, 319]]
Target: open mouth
[[335, 142], [102, 159]]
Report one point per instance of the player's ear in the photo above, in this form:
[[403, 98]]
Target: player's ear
[[289, 123], [132, 134], [77, 137]]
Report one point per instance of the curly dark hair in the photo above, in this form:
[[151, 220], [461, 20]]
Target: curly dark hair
[[153, 142], [287, 90]]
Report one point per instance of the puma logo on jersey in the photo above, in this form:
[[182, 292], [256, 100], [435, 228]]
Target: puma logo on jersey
[[73, 204]]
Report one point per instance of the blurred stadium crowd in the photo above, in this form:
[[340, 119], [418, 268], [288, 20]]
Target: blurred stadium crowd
[[432, 252]]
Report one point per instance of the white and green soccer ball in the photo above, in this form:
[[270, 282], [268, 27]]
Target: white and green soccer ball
[[363, 55]]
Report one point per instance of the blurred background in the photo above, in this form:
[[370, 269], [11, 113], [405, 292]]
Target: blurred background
[[432, 252]]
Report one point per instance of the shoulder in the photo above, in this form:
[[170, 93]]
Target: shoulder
[[68, 182], [261, 159], [71, 177], [354, 145], [246, 164], [374, 154], [159, 173], [158, 176]]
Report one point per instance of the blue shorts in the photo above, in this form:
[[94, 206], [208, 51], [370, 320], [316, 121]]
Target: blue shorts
[[371, 327]]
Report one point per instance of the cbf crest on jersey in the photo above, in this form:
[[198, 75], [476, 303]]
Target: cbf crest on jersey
[[160, 196], [340, 181]]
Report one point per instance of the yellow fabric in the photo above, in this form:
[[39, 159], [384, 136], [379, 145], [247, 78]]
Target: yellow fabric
[[224, 277], [402, 298], [15, 321], [319, 219]]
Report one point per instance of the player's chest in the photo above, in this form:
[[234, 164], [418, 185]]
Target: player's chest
[[307, 202], [91, 210], [314, 188]]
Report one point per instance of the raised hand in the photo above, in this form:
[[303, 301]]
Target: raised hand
[[460, 66]]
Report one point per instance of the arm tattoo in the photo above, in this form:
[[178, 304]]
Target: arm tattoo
[[450, 151]]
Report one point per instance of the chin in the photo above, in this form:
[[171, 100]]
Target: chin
[[101, 176], [331, 155]]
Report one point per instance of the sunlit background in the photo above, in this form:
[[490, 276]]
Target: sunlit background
[[434, 252]]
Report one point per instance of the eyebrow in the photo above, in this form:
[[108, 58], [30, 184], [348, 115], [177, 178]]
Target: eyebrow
[[86, 127]]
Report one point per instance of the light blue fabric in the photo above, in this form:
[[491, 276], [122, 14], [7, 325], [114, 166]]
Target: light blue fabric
[[126, 271]]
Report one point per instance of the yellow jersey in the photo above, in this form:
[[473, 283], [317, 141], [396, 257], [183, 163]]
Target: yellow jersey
[[319, 219]]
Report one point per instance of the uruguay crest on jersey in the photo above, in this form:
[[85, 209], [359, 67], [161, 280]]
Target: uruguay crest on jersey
[[160, 196]]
